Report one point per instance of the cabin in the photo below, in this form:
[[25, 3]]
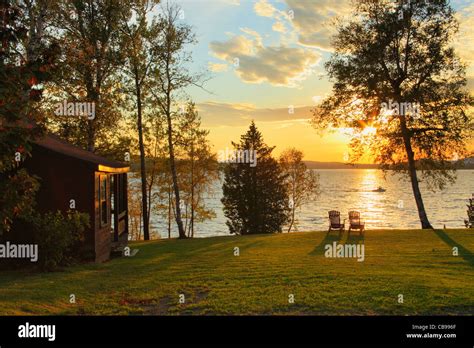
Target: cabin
[[71, 177]]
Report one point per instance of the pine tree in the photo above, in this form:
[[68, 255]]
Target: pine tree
[[255, 194]]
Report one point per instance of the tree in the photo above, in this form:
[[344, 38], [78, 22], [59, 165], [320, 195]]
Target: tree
[[255, 193], [303, 183], [26, 62], [400, 86], [139, 51], [158, 174], [90, 39], [199, 168], [162, 190], [196, 168], [172, 78]]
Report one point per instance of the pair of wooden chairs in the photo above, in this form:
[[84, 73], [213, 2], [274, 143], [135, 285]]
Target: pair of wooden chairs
[[355, 223]]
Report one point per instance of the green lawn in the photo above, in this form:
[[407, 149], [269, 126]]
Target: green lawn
[[418, 264]]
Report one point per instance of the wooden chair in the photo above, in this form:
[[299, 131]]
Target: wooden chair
[[335, 222], [355, 222]]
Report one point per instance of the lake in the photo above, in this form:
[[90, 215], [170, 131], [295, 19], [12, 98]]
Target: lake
[[352, 189]]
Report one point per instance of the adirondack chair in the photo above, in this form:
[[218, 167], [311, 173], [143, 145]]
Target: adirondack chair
[[355, 223], [335, 221]]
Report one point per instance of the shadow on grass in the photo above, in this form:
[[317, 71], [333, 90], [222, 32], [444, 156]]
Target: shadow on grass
[[466, 254], [355, 239], [151, 259], [330, 238]]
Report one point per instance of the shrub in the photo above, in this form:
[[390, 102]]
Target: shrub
[[59, 237]]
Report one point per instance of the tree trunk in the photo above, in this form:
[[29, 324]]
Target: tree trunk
[[146, 231], [192, 188], [93, 94], [90, 136], [179, 221], [150, 192], [292, 219], [169, 212], [293, 193], [425, 224]]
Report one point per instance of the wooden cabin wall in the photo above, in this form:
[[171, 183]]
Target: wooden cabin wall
[[63, 178]]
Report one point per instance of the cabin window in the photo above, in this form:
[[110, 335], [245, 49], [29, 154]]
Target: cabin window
[[104, 216]]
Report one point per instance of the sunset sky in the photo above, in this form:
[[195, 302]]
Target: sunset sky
[[262, 62]]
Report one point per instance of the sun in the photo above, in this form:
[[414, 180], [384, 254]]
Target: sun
[[369, 131]]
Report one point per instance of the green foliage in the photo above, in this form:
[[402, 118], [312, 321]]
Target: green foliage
[[59, 237], [25, 64], [115, 148], [255, 197], [90, 67], [17, 190]]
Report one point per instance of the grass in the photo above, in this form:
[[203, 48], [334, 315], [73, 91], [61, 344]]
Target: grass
[[418, 264]]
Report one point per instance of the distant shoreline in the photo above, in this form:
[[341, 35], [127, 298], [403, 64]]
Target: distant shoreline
[[467, 165], [339, 165]]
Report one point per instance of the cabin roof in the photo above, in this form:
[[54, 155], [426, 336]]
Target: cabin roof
[[56, 144]]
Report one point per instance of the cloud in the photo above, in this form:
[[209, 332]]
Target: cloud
[[235, 47], [279, 27], [281, 66], [216, 67], [313, 20], [465, 38], [256, 63], [257, 37], [232, 2], [215, 114], [310, 20], [264, 9]]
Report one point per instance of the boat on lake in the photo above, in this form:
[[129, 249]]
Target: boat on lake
[[379, 189]]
